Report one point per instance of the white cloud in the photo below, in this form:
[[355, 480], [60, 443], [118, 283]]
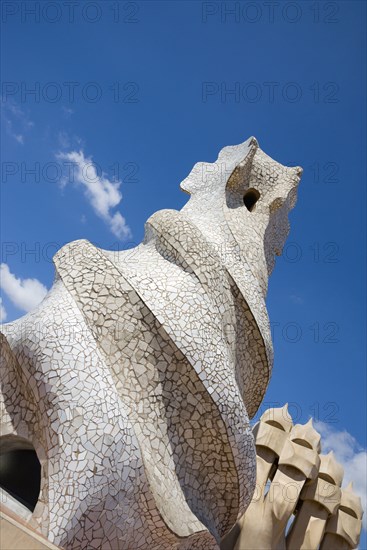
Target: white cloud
[[25, 294], [102, 193], [3, 313], [68, 112], [19, 138], [64, 140], [296, 299], [351, 455], [16, 121]]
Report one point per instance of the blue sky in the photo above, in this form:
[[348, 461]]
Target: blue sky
[[144, 90]]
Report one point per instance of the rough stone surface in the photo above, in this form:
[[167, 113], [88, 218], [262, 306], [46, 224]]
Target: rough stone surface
[[298, 503], [135, 378]]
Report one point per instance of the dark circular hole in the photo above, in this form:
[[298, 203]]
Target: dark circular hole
[[20, 475], [250, 198]]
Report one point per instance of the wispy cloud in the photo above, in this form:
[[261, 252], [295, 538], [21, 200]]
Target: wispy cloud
[[16, 121], [102, 193], [67, 111], [25, 294], [296, 299], [69, 141], [350, 454], [3, 314]]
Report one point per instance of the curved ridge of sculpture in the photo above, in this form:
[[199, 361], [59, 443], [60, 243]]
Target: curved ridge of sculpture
[[143, 367]]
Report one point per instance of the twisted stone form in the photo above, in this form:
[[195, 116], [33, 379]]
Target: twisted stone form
[[135, 378], [298, 503]]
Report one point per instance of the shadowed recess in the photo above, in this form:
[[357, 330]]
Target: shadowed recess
[[20, 474], [250, 198]]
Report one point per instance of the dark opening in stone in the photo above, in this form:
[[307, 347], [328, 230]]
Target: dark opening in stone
[[250, 198], [20, 475]]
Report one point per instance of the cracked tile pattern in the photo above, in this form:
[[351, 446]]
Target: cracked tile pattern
[[298, 494], [136, 377]]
